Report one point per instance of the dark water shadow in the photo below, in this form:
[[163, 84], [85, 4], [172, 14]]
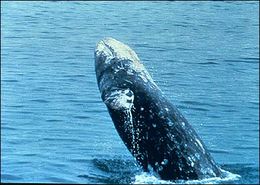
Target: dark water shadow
[[112, 171], [123, 171]]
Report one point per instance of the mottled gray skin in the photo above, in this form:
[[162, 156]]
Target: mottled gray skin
[[152, 128]]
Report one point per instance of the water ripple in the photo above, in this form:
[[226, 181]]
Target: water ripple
[[242, 60]]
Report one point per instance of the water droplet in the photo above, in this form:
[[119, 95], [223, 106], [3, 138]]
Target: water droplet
[[164, 162]]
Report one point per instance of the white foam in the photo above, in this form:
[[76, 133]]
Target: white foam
[[227, 176], [146, 178]]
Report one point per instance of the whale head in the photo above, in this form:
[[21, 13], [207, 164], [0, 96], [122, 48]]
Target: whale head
[[112, 48], [110, 52], [118, 70], [112, 56]]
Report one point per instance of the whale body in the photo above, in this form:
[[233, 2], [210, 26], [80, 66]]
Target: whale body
[[151, 127]]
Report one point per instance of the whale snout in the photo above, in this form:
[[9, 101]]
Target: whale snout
[[110, 52], [109, 48], [112, 57]]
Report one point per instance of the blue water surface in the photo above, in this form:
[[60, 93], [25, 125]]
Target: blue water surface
[[55, 128]]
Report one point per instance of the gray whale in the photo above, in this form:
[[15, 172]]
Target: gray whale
[[151, 127]]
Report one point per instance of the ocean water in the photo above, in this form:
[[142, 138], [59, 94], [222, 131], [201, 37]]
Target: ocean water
[[54, 127]]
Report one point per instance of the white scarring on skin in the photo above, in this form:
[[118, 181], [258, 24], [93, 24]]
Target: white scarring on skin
[[118, 99], [200, 145], [122, 51], [191, 161]]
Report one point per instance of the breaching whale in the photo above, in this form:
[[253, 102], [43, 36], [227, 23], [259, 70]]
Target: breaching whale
[[152, 128]]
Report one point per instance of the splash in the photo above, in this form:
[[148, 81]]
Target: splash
[[146, 178]]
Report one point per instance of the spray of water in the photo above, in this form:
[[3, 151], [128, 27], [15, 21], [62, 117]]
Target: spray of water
[[147, 178]]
